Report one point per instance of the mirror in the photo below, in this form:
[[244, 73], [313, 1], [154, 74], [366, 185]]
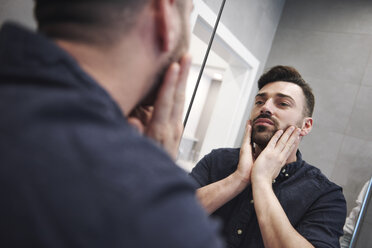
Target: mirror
[[329, 42], [225, 84]]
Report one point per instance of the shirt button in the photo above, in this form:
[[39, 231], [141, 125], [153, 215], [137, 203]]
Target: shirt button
[[274, 181], [286, 175], [239, 231], [251, 201], [283, 170]]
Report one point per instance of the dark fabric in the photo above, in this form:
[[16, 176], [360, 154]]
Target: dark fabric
[[73, 173], [315, 206]]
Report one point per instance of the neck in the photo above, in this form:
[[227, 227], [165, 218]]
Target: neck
[[120, 72], [124, 69]]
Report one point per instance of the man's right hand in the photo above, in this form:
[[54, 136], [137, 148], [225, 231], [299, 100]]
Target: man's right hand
[[246, 156]]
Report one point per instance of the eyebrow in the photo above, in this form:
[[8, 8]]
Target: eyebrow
[[285, 96], [281, 95], [260, 95]]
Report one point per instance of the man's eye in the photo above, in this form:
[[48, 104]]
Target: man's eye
[[284, 104], [259, 102]]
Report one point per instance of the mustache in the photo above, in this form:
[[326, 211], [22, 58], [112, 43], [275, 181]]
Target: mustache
[[266, 116]]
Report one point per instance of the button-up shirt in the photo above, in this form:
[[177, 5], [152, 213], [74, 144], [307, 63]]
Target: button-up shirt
[[315, 206], [73, 172]]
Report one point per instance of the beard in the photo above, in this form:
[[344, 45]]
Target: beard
[[261, 135], [175, 56]]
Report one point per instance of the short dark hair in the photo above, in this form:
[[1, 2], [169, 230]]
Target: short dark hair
[[289, 74], [86, 20]]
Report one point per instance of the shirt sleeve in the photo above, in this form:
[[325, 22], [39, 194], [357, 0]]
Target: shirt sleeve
[[323, 222], [215, 166], [201, 172], [352, 218]]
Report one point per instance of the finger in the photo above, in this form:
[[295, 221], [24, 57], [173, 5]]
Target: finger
[[284, 138], [292, 142], [274, 140], [142, 113], [148, 111], [247, 135], [164, 102], [137, 124], [179, 94]]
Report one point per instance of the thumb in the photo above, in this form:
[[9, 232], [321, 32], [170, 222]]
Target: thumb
[[137, 124]]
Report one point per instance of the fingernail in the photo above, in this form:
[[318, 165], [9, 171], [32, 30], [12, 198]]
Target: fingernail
[[292, 128]]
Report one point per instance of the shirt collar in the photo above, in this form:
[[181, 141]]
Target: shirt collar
[[289, 169]]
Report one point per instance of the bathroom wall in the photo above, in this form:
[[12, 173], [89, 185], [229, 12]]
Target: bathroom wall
[[330, 43]]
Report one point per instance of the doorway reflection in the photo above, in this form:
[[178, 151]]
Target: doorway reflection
[[222, 95]]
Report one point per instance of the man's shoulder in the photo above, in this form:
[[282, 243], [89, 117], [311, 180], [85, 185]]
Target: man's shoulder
[[225, 153], [216, 165], [220, 158], [319, 178]]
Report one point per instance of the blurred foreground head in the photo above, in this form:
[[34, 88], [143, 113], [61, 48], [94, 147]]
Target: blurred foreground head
[[160, 29]]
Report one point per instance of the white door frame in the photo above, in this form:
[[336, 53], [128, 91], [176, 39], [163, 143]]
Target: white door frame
[[239, 59]]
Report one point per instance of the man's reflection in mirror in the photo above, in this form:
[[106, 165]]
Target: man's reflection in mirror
[[264, 192]]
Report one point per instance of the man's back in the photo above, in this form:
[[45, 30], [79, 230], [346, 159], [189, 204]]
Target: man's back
[[73, 173]]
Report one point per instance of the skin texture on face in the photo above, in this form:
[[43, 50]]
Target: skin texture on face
[[277, 105]]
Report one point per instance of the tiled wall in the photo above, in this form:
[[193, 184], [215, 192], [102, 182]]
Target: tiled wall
[[330, 43]]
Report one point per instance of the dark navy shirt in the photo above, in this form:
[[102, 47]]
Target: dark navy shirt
[[73, 173], [315, 206]]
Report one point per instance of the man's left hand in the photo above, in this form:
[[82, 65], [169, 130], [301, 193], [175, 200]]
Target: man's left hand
[[163, 121], [269, 163]]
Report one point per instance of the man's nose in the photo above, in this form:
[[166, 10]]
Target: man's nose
[[267, 108]]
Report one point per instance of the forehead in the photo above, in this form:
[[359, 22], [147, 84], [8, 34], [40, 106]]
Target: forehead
[[283, 88]]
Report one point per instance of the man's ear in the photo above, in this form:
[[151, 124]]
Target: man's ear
[[165, 19], [307, 125]]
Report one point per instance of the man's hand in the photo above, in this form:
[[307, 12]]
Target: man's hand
[[269, 163], [275, 227], [246, 156], [216, 194], [163, 121]]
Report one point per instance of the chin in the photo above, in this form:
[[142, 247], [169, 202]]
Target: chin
[[261, 137]]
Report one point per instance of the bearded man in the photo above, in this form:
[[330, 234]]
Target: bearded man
[[73, 171], [264, 192]]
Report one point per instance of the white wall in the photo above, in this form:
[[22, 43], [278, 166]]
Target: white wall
[[200, 98]]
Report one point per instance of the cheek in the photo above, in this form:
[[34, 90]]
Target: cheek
[[287, 119], [253, 115], [294, 120]]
